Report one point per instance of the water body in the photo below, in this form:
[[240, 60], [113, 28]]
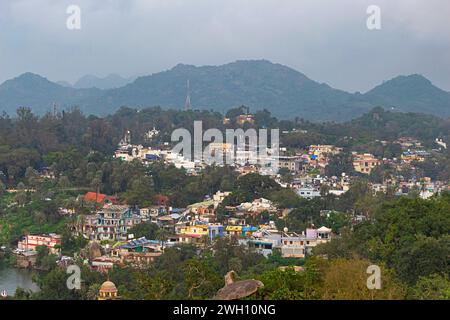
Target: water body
[[12, 278]]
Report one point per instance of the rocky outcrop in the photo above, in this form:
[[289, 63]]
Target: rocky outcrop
[[234, 290]]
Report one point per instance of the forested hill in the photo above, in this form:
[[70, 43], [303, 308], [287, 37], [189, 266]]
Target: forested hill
[[259, 84]]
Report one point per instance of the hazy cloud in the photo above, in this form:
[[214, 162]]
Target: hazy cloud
[[326, 40]]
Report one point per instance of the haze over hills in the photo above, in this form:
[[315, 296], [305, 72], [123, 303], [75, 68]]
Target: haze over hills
[[259, 84], [111, 81]]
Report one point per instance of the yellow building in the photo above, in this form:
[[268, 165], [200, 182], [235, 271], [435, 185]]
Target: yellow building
[[365, 163], [414, 156], [322, 149], [196, 230], [234, 230]]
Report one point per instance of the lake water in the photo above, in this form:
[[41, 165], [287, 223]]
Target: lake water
[[11, 279]]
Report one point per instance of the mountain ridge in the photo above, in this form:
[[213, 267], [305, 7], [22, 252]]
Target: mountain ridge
[[111, 81], [259, 84]]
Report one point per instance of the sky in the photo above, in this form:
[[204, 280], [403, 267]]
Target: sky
[[327, 40]]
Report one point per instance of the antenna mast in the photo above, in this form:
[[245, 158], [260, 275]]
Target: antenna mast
[[187, 105]]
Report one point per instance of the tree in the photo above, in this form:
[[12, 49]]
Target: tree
[[45, 260], [285, 198], [53, 285], [22, 294], [2, 188], [338, 164], [282, 285], [347, 280], [200, 278], [252, 186], [432, 287], [31, 177], [148, 287], [21, 198], [144, 229], [161, 235], [337, 220], [71, 245], [289, 284], [234, 112], [64, 182], [424, 257], [141, 192]]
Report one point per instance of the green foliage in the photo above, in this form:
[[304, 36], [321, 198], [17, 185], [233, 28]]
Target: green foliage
[[45, 260], [200, 278], [53, 285], [432, 287], [251, 186], [408, 234], [285, 198], [145, 229], [141, 192], [337, 220], [71, 244], [283, 285]]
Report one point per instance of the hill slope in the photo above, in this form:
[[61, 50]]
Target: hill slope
[[412, 93], [32, 90]]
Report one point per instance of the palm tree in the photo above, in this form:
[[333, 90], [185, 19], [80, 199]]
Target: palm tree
[[161, 235], [205, 240]]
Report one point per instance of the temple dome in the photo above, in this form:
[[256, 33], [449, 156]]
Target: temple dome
[[108, 286]]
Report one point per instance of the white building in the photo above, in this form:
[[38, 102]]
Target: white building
[[308, 192]]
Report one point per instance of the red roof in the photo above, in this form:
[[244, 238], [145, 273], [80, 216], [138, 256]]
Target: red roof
[[99, 197], [161, 200]]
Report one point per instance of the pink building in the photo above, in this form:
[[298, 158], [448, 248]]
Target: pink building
[[30, 242]]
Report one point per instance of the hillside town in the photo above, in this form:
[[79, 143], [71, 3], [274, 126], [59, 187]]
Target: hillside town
[[213, 159], [258, 224]]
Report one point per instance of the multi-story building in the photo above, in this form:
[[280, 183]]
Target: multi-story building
[[51, 241], [365, 163], [112, 222], [293, 163], [299, 246]]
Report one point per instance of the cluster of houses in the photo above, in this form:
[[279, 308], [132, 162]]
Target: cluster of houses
[[109, 224], [316, 157], [307, 166], [108, 228]]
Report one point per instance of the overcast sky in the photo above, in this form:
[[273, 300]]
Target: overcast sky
[[325, 39]]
